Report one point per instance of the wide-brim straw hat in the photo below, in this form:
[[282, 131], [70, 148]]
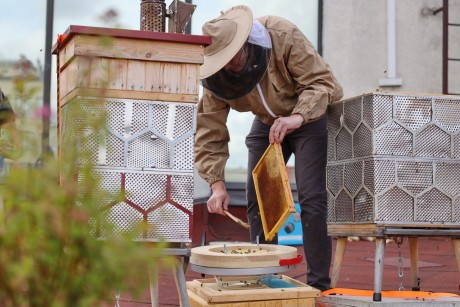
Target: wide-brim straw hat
[[229, 32]]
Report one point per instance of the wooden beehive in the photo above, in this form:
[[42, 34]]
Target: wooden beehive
[[205, 292], [145, 86]]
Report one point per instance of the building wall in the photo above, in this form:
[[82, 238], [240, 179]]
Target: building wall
[[355, 44]]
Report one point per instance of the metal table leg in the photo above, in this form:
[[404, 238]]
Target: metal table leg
[[378, 268], [153, 280], [179, 277], [413, 249]]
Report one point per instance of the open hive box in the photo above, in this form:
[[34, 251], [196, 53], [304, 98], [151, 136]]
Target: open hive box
[[206, 292], [273, 190]]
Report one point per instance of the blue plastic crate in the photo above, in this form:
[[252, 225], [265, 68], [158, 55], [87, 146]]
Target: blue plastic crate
[[291, 231]]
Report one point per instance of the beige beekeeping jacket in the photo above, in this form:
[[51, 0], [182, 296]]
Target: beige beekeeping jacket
[[297, 81]]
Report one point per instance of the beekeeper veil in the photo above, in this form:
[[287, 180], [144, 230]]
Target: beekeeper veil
[[252, 46]]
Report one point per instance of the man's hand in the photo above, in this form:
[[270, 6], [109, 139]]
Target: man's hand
[[219, 198], [283, 126]]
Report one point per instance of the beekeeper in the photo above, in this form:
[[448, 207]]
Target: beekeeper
[[268, 67]]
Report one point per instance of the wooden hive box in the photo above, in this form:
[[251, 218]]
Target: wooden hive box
[[145, 86], [205, 292], [128, 64]]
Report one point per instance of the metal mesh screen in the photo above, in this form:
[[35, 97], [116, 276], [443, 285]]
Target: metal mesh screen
[[393, 139], [394, 160], [415, 176], [145, 152], [363, 206], [139, 134], [362, 141], [343, 145], [432, 141], [412, 112], [353, 177], [395, 205]]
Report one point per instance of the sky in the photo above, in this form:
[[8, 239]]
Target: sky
[[23, 25]]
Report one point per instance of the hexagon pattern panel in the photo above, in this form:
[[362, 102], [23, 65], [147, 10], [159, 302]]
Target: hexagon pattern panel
[[145, 152], [394, 159]]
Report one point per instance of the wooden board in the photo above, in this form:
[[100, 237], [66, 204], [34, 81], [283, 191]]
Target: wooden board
[[204, 292], [131, 49], [273, 190]]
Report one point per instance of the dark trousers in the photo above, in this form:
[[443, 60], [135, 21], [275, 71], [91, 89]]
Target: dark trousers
[[309, 146]]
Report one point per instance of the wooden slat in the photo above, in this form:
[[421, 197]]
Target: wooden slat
[[338, 260], [352, 229], [83, 72], [136, 75], [456, 246], [66, 54], [118, 74], [190, 79], [153, 80], [64, 82], [100, 73], [122, 94], [171, 78], [124, 48]]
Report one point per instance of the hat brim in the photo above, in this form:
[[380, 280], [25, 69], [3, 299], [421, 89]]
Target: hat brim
[[242, 15]]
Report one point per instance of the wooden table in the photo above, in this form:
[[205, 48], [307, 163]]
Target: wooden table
[[381, 233]]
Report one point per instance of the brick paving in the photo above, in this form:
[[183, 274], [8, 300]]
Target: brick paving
[[438, 271]]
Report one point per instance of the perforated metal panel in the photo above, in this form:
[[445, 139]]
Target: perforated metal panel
[[153, 15], [144, 151], [393, 159], [162, 201], [139, 135]]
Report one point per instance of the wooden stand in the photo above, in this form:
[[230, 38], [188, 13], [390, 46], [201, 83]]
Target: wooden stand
[[380, 233]]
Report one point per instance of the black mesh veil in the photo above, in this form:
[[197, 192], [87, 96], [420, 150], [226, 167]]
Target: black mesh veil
[[230, 85]]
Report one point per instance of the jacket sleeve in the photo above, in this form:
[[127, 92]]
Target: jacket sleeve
[[316, 85], [212, 137]]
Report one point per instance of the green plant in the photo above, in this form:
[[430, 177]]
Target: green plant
[[48, 256]]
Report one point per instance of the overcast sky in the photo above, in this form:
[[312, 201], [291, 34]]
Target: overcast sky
[[22, 32]]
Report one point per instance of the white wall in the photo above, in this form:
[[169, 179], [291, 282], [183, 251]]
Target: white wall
[[355, 44]]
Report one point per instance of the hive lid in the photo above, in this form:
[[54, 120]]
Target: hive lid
[[273, 190]]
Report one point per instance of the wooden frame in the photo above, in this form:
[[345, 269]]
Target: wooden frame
[[273, 190]]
